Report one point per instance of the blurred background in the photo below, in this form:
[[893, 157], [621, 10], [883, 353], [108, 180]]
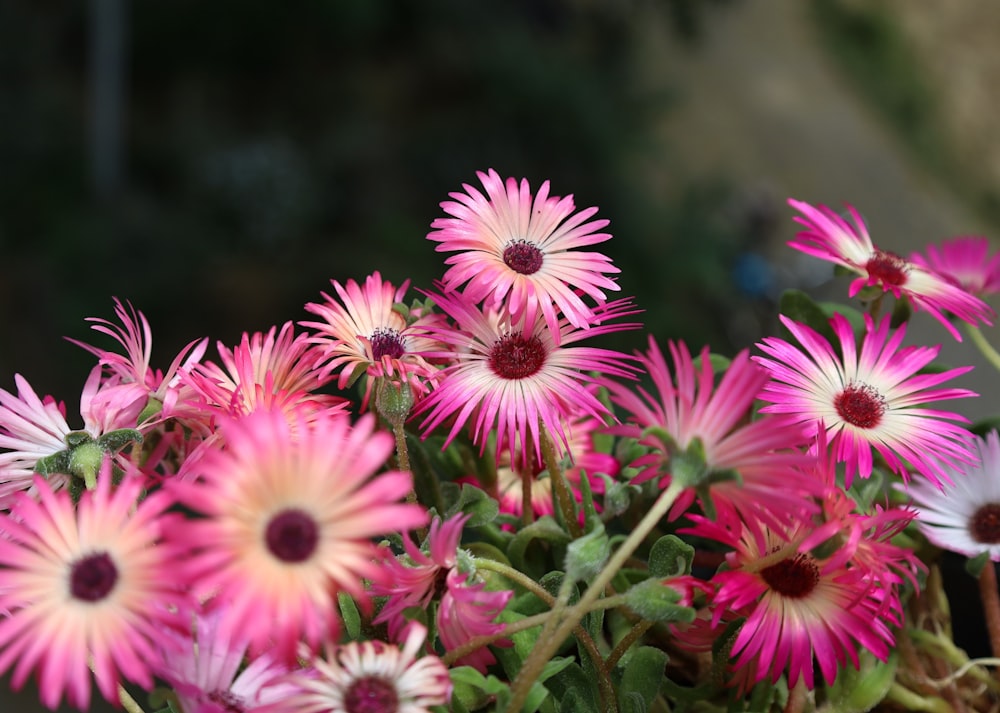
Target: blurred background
[[217, 164]]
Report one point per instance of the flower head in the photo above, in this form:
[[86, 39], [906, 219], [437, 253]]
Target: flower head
[[369, 677], [830, 237], [964, 515], [90, 586], [289, 511], [363, 330], [966, 261], [517, 253], [868, 400], [516, 377]]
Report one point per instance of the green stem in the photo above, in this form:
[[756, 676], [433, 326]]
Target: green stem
[[910, 701], [547, 646], [128, 703], [486, 639], [637, 630], [987, 350], [403, 461], [559, 487]]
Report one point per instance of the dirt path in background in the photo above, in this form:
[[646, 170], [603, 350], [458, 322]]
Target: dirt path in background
[[760, 101]]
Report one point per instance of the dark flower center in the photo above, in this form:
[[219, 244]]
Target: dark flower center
[[228, 701], [371, 694], [93, 577], [388, 342], [523, 257], [860, 405], [515, 356], [888, 268], [292, 535], [794, 577], [984, 526]]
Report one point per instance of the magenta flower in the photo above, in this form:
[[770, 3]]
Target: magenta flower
[[966, 261], [868, 400], [964, 515], [466, 608], [513, 378], [363, 332], [799, 606], [289, 513], [86, 587], [830, 237], [517, 254], [689, 422], [368, 677]]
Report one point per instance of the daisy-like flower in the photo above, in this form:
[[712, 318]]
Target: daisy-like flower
[[37, 437], [205, 669], [516, 377], [133, 367], [369, 677], [466, 608], [517, 253], [965, 260], [90, 586], [868, 400], [289, 510], [363, 332], [688, 422], [964, 516], [830, 237], [278, 370], [799, 606]]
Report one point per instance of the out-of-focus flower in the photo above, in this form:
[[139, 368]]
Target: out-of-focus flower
[[965, 260]]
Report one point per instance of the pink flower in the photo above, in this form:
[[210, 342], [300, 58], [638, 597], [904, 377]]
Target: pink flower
[[868, 400], [513, 378], [799, 605], [517, 253], [689, 422], [466, 609], [830, 237], [289, 510], [364, 332], [966, 261], [369, 677], [86, 587]]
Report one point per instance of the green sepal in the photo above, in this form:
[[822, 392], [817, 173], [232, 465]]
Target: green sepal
[[640, 679], [114, 441], [670, 556], [350, 616], [860, 690], [55, 463], [587, 555], [976, 565], [617, 496], [655, 601], [901, 312]]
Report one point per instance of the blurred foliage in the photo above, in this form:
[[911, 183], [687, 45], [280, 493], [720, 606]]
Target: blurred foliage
[[271, 148]]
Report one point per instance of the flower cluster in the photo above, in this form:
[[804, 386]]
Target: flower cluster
[[455, 501]]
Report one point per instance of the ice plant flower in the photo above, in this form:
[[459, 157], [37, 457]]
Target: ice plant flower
[[466, 608], [205, 669], [86, 587], [799, 606], [362, 331], [517, 377], [517, 253], [830, 237], [288, 513], [966, 261], [369, 677], [690, 424], [872, 399], [964, 516]]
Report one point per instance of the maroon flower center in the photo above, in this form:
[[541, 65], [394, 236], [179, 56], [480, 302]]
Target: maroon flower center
[[984, 526], [523, 257], [228, 701], [292, 535], [371, 694], [388, 342], [860, 405], [888, 268], [93, 577], [515, 356], [794, 577]]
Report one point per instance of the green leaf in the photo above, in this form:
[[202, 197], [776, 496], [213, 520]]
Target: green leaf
[[544, 529], [473, 689], [641, 678], [670, 557], [800, 307], [476, 503], [587, 555], [977, 564], [860, 690], [350, 615], [572, 685], [655, 601]]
